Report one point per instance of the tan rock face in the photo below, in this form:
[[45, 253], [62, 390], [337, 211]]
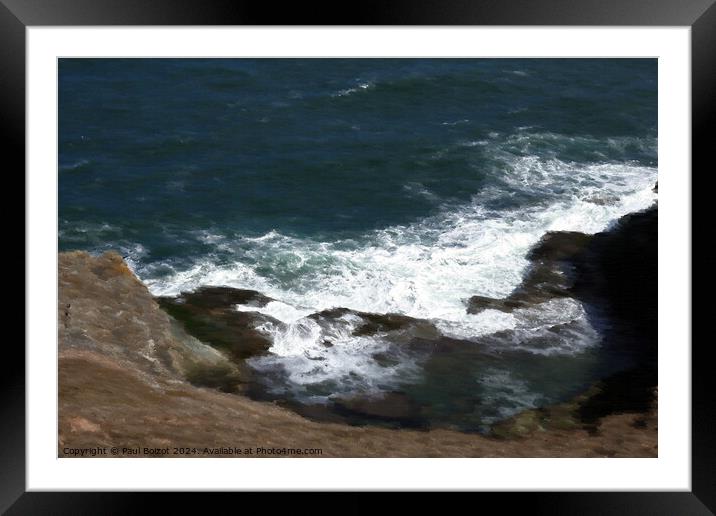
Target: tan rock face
[[125, 371], [103, 307]]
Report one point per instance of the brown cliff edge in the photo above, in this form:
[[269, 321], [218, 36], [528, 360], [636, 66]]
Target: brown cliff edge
[[124, 366]]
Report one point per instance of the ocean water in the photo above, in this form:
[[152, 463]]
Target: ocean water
[[380, 185]]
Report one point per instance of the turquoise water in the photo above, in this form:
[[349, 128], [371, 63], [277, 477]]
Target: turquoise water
[[382, 185]]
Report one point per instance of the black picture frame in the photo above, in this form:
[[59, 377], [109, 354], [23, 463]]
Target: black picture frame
[[699, 15]]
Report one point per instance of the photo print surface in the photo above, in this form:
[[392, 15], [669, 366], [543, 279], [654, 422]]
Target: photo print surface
[[357, 257]]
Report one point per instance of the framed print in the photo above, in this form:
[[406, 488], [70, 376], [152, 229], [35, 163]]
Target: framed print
[[422, 243]]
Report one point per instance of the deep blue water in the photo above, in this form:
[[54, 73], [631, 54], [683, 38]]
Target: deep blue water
[[386, 185], [156, 148]]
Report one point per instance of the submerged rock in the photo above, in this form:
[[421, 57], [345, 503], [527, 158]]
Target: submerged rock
[[395, 407], [586, 411], [562, 416], [123, 365], [614, 275]]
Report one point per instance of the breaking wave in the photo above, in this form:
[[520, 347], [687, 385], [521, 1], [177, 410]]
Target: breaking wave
[[425, 270]]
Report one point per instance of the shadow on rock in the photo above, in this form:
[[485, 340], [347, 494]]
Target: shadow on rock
[[210, 315]]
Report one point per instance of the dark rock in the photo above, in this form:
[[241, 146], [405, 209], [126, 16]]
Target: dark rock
[[629, 391], [323, 413], [477, 304], [389, 407], [378, 323], [617, 279], [626, 392], [549, 276], [527, 422], [222, 297], [442, 345], [209, 314], [223, 378], [558, 246], [614, 274], [385, 359], [617, 272], [331, 313]]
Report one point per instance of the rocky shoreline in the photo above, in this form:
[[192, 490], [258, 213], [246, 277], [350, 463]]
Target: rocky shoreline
[[146, 372], [614, 275]]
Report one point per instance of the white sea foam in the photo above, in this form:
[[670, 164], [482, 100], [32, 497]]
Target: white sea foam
[[283, 312], [519, 73], [426, 270], [75, 166], [456, 122], [133, 254], [89, 231], [418, 190], [312, 353], [349, 91]]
